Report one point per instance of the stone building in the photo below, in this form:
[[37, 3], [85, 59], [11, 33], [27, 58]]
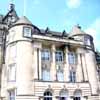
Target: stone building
[[37, 64]]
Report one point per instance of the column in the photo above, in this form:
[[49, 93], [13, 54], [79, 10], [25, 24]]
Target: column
[[53, 64], [40, 69], [35, 63], [66, 65], [79, 73], [84, 68], [91, 68]]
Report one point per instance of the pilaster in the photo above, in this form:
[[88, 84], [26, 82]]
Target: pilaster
[[84, 67], [79, 72], [66, 65], [35, 63], [53, 64]]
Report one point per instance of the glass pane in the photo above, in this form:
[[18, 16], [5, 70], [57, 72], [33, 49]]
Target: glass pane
[[72, 76], [12, 95], [45, 55], [72, 58], [59, 56], [46, 75], [60, 76], [27, 31]]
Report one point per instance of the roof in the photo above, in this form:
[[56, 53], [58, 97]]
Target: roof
[[76, 30], [23, 20]]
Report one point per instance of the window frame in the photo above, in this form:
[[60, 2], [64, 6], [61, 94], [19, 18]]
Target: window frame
[[59, 56], [45, 73], [47, 95], [10, 96], [27, 34], [10, 71], [72, 76], [59, 73], [44, 55], [72, 58]]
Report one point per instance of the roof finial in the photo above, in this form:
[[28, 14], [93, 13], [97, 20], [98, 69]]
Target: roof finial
[[11, 5]]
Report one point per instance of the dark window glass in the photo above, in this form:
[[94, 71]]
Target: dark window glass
[[59, 56], [45, 55], [72, 58], [47, 95], [72, 76], [77, 98]]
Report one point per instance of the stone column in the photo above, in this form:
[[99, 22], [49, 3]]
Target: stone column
[[37, 60], [79, 73], [84, 68], [66, 65], [91, 68], [53, 64], [35, 63], [40, 67]]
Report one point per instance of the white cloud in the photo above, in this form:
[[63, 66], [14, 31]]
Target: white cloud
[[94, 30], [73, 3]]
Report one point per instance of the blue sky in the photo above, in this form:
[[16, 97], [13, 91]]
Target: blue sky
[[60, 14]]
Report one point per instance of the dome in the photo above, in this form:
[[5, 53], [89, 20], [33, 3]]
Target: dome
[[76, 30], [23, 20]]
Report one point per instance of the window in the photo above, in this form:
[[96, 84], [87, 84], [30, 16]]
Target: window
[[45, 73], [87, 40], [45, 55], [72, 76], [59, 56], [11, 94], [77, 95], [72, 58], [12, 72], [47, 95], [13, 50], [27, 32], [77, 98], [60, 75]]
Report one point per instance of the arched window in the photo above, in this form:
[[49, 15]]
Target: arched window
[[77, 95], [63, 95], [47, 95]]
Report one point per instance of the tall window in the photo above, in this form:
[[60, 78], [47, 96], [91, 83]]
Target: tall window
[[45, 55], [72, 75], [45, 73], [47, 95], [11, 94], [60, 74], [12, 72], [13, 50], [87, 40], [59, 56], [72, 58], [27, 31]]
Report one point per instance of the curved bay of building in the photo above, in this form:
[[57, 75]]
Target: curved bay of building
[[46, 65]]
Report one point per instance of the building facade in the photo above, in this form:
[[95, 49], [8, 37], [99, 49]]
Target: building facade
[[39, 64]]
